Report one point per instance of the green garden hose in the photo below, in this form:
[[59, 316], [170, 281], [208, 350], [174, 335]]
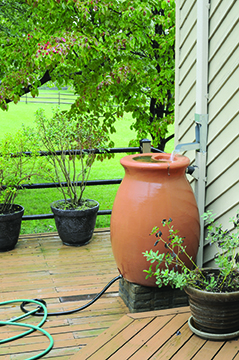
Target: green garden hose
[[41, 310], [41, 307]]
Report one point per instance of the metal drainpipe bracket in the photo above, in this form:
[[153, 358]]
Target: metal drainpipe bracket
[[201, 121], [195, 174], [200, 134]]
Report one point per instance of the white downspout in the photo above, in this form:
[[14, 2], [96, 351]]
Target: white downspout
[[202, 56], [201, 110]]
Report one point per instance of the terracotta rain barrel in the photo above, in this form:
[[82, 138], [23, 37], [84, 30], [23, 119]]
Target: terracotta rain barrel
[[154, 188]]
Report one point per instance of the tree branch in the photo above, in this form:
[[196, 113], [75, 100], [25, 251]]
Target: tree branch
[[46, 77], [170, 137]]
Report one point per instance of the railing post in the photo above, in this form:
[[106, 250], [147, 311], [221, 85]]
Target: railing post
[[145, 145], [59, 99]]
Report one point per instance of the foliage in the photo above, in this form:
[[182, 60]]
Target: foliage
[[110, 169], [16, 167], [118, 56], [176, 274], [11, 12], [75, 137]]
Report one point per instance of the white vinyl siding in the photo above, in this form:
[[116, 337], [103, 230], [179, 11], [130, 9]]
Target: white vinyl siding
[[222, 187]]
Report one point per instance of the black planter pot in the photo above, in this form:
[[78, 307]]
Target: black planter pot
[[75, 227], [215, 313], [10, 226]]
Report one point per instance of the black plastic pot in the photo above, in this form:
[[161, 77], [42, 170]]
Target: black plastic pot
[[10, 226], [216, 313], [75, 227]]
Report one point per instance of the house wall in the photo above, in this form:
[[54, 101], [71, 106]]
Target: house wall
[[185, 96], [222, 168]]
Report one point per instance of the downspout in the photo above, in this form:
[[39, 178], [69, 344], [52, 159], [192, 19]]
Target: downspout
[[201, 116]]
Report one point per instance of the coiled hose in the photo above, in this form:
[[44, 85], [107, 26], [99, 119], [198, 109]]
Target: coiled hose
[[32, 328], [41, 310]]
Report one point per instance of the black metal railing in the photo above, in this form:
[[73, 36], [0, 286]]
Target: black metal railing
[[138, 149], [145, 146]]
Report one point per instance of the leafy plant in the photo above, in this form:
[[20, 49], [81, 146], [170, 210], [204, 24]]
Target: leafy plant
[[16, 167], [176, 274], [75, 138]]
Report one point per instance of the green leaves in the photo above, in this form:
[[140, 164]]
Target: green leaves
[[75, 136], [16, 167], [171, 270], [227, 242], [119, 56]]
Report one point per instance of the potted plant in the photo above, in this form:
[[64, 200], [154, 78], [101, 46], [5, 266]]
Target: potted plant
[[16, 168], [74, 137], [213, 292]]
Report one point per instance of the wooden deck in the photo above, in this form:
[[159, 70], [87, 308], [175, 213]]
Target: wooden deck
[[67, 278]]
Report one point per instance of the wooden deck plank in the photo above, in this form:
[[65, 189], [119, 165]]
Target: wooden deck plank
[[30, 345], [161, 337], [54, 354], [228, 351], [52, 292], [104, 338], [163, 312], [141, 338], [237, 356], [174, 344], [191, 348], [119, 340], [209, 350]]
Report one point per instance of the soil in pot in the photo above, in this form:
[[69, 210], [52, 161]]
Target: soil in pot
[[10, 226], [75, 227]]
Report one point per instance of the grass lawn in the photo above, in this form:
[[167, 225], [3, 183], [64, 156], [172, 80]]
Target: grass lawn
[[38, 201]]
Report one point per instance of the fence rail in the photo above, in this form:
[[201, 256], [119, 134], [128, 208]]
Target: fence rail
[[139, 149], [50, 98], [145, 147]]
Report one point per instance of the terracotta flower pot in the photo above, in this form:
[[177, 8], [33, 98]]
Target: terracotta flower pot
[[154, 188]]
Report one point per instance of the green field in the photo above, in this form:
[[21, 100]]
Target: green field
[[38, 201]]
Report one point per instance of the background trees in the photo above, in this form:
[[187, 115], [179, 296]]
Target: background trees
[[11, 12], [118, 55]]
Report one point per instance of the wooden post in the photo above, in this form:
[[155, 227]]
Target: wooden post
[[145, 146]]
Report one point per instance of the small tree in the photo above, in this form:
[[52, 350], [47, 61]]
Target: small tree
[[74, 139], [119, 56]]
